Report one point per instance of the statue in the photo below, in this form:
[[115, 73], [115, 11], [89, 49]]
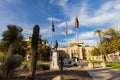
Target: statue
[[54, 62], [55, 45]]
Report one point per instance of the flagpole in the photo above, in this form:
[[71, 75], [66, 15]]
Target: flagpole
[[52, 30], [76, 24], [67, 45], [51, 48], [51, 42], [67, 39], [78, 46]]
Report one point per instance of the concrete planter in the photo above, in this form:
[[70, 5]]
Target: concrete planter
[[103, 64], [91, 65]]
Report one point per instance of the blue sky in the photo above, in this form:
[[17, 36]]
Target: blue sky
[[92, 15]]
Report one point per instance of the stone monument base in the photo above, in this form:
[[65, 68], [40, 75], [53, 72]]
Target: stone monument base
[[54, 62]]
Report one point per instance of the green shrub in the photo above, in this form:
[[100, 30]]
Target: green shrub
[[43, 67], [7, 69], [2, 59], [39, 67], [14, 61]]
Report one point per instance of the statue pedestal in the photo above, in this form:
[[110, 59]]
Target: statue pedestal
[[54, 62]]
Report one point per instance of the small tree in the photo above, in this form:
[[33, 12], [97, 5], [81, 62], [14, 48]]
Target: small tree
[[11, 38]]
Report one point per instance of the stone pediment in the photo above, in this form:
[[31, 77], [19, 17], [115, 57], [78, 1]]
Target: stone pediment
[[76, 43], [74, 46]]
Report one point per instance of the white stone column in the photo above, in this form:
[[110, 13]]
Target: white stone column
[[54, 62], [70, 55]]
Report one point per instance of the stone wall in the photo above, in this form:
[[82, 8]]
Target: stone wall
[[113, 57]]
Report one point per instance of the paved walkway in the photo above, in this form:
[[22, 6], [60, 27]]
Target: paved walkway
[[104, 74], [99, 73]]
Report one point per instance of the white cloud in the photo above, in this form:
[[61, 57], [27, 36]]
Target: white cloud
[[61, 3], [51, 1], [62, 24], [9, 1], [70, 31], [45, 32], [108, 12], [86, 35], [55, 19], [27, 31], [63, 43], [91, 42]]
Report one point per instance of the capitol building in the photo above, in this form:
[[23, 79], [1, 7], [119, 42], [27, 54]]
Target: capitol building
[[75, 50]]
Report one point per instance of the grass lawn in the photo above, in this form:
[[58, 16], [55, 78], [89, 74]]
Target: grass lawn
[[38, 62], [94, 61], [115, 65]]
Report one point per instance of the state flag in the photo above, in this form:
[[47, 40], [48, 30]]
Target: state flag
[[76, 22]]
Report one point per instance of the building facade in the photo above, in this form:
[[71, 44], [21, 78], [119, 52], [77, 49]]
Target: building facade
[[75, 50]]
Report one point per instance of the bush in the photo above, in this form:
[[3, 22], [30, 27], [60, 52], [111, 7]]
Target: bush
[[2, 71], [7, 68], [2, 59], [43, 67], [14, 61], [39, 67]]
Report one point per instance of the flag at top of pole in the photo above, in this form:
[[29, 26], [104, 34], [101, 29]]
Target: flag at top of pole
[[76, 22], [53, 29]]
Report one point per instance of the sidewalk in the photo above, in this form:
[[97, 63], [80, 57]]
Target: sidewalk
[[104, 73], [99, 73]]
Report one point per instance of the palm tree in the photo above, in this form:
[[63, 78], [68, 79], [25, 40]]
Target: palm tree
[[12, 38], [28, 44], [43, 49], [45, 42], [114, 39], [113, 32], [99, 33], [46, 49]]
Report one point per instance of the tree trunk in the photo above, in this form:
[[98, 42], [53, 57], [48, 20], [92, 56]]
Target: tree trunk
[[10, 50]]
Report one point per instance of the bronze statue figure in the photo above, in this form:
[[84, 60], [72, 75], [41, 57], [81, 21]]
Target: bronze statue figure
[[55, 45]]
